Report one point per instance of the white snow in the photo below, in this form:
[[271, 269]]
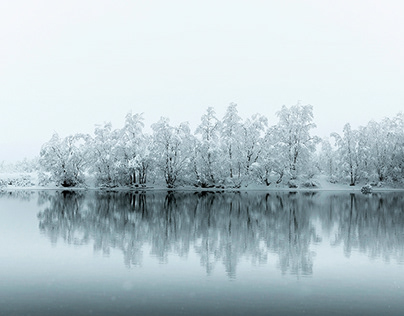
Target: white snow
[[324, 185]]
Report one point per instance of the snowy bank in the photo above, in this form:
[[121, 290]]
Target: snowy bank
[[29, 181]]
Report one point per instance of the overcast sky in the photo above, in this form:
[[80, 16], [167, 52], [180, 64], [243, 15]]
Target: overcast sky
[[68, 65]]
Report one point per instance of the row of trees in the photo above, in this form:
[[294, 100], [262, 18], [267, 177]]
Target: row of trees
[[374, 152], [224, 152]]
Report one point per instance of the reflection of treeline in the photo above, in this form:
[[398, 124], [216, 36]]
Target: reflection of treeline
[[224, 228], [371, 224], [220, 227], [25, 195]]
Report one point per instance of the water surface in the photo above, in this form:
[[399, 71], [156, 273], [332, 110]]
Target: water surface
[[158, 253]]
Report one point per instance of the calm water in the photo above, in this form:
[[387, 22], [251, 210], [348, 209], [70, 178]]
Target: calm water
[[64, 253]]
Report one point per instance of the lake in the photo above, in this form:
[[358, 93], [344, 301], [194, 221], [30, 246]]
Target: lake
[[185, 253]]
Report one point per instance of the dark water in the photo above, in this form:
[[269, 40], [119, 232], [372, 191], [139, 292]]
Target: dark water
[[64, 253]]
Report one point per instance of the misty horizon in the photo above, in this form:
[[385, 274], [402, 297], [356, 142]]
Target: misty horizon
[[67, 67]]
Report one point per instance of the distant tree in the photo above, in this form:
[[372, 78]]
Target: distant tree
[[172, 150], [348, 152], [106, 155], [135, 150], [230, 135], [65, 159], [207, 159], [327, 159], [293, 136], [373, 152], [395, 141], [228, 152], [379, 143], [25, 165], [364, 155], [265, 163], [252, 141]]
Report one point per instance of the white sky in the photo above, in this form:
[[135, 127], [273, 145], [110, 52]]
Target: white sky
[[68, 65]]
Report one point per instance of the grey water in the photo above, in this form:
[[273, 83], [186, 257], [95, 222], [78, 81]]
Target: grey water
[[173, 253]]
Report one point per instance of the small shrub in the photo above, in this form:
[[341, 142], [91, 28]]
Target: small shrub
[[292, 184], [19, 181], [44, 179], [366, 189], [333, 179], [310, 183]]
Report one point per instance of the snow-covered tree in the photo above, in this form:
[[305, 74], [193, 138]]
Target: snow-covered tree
[[228, 152], [135, 150], [378, 149], [252, 141], [373, 152], [106, 155], [65, 159], [348, 152], [267, 161], [230, 133], [208, 151], [293, 137], [327, 158], [388, 149], [172, 150], [395, 141]]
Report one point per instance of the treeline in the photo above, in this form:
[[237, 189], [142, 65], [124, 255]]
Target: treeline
[[372, 153], [226, 152]]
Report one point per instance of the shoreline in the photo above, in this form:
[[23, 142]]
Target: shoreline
[[196, 190], [321, 185]]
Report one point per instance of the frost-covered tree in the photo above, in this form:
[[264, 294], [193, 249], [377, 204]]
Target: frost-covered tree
[[388, 148], [106, 155], [65, 159], [294, 141], [172, 150], [376, 161], [373, 152], [364, 153], [327, 158], [208, 150], [135, 150], [348, 152], [230, 133], [267, 162], [229, 151], [395, 141], [252, 141]]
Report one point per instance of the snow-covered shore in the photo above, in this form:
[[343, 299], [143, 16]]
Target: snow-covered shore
[[29, 181]]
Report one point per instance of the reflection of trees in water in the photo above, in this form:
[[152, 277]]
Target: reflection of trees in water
[[289, 232], [23, 195], [64, 217], [372, 224], [220, 227], [224, 227]]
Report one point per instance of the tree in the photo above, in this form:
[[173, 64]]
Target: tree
[[172, 150], [395, 141], [207, 159], [135, 150], [230, 141], [270, 160], [65, 159], [348, 152], [252, 140], [106, 155], [327, 158], [293, 136]]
